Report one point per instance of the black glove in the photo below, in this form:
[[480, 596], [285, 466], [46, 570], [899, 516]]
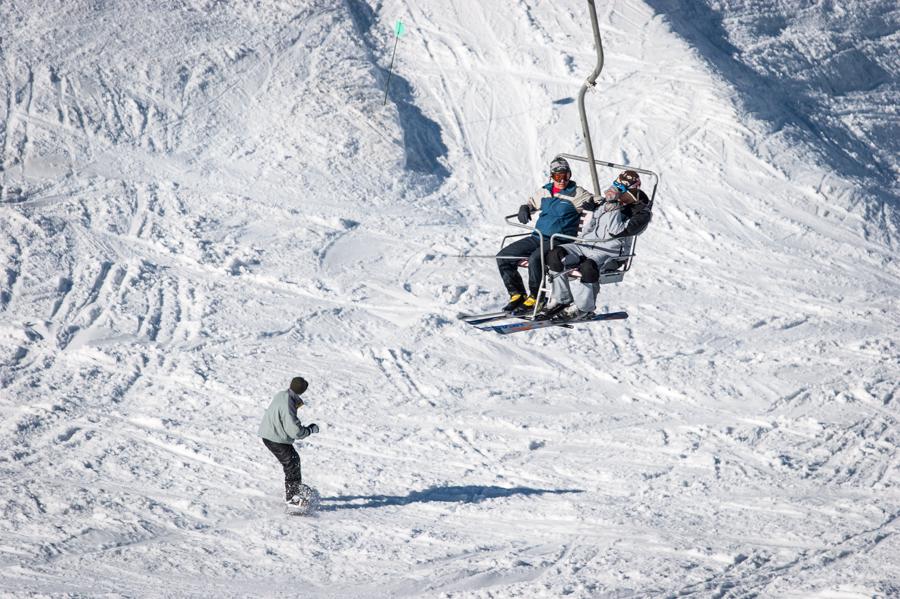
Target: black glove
[[590, 205], [313, 428], [524, 213]]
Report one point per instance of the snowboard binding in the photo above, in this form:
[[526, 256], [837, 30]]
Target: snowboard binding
[[305, 501]]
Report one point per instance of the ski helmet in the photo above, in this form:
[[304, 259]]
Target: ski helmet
[[559, 165], [630, 179]]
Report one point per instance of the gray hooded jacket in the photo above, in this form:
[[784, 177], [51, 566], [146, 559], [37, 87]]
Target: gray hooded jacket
[[614, 221], [607, 235], [280, 423]]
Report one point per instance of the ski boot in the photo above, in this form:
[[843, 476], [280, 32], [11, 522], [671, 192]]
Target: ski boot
[[571, 313], [515, 302], [551, 310], [527, 307]]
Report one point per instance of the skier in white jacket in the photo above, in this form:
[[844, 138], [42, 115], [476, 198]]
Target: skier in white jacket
[[624, 212]]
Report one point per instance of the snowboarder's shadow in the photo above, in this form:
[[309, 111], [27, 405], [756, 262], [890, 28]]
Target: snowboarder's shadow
[[465, 494]]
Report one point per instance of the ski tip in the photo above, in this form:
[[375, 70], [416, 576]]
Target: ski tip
[[476, 317]]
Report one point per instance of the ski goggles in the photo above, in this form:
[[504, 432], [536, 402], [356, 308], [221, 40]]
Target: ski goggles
[[621, 187], [561, 176]]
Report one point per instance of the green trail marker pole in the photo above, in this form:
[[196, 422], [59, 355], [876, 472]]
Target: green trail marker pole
[[399, 30]]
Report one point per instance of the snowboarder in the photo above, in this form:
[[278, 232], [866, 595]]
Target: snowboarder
[[560, 202], [280, 428], [624, 211]]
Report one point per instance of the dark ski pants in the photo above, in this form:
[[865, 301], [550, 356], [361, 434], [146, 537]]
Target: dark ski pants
[[290, 461], [509, 271]]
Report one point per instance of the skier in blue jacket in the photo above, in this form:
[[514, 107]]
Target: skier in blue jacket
[[280, 428], [561, 202]]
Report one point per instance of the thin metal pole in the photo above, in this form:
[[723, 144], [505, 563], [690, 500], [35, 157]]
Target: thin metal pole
[[490, 256], [590, 82], [391, 71]]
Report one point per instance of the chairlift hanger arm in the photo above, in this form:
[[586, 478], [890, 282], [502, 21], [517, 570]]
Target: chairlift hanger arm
[[590, 82]]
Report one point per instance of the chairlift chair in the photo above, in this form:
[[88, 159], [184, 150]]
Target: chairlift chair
[[621, 266], [608, 276]]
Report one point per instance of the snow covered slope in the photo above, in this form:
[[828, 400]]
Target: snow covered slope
[[201, 200]]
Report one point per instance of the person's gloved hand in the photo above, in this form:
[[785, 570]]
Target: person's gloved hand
[[612, 194], [590, 205], [524, 214], [313, 428], [571, 260]]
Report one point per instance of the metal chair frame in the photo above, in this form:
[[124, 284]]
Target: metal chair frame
[[617, 275]]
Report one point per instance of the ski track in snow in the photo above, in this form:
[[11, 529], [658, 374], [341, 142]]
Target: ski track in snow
[[200, 201]]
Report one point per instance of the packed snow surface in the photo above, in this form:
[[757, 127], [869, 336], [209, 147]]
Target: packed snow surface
[[201, 200]]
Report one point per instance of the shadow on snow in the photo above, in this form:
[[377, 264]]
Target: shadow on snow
[[465, 494], [422, 141], [794, 93]]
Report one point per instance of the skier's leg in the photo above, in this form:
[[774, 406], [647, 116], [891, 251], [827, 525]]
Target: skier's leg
[[560, 259], [562, 293], [555, 259], [509, 271], [585, 299], [290, 463], [584, 290], [535, 267]]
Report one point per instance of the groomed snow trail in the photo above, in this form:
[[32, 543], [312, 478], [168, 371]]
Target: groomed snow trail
[[202, 200]]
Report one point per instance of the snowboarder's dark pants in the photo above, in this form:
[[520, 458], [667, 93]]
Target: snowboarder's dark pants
[[290, 461], [527, 246]]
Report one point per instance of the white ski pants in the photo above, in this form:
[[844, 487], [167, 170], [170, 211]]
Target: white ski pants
[[584, 295]]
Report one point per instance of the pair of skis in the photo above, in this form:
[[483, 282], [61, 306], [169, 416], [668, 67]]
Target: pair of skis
[[482, 322]]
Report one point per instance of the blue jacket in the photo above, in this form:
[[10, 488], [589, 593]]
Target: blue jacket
[[560, 213]]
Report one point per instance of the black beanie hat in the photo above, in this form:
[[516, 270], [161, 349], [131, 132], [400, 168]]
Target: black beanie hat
[[299, 385]]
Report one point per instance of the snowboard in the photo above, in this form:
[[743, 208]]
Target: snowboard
[[304, 503]]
